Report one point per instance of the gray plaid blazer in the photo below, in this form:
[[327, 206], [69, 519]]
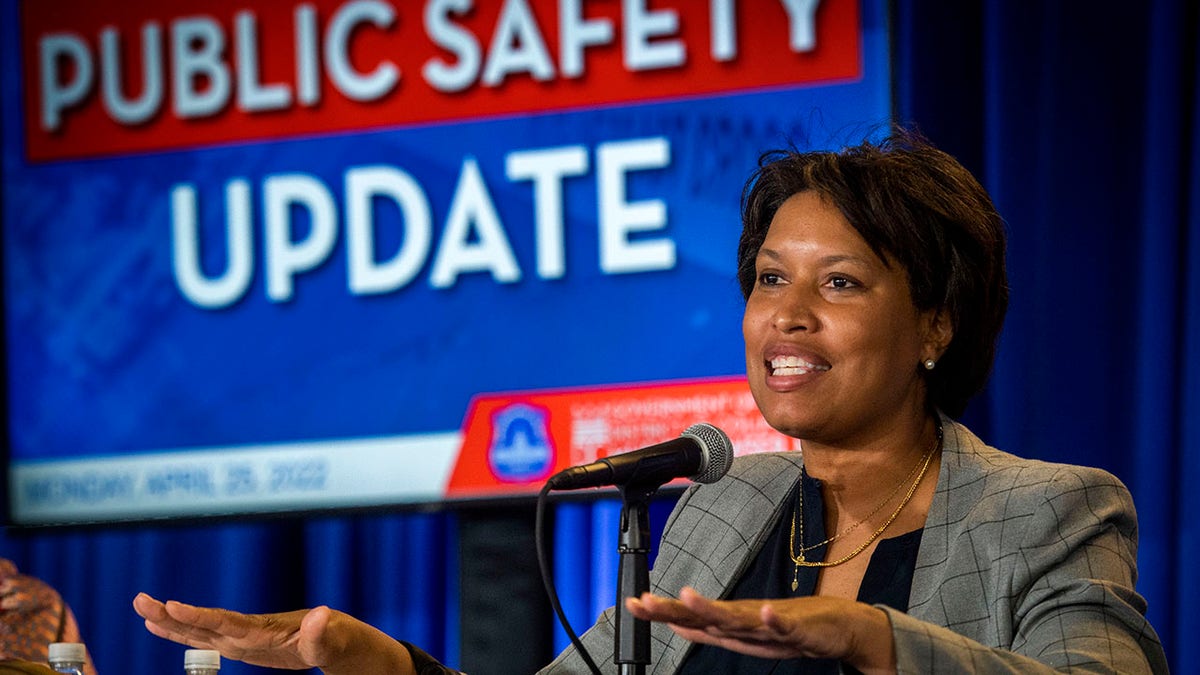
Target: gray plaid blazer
[[1024, 566]]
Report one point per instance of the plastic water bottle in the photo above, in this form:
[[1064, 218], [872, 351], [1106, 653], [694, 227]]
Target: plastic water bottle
[[202, 661], [67, 657]]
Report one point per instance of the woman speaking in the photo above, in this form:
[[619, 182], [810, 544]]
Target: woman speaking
[[894, 540]]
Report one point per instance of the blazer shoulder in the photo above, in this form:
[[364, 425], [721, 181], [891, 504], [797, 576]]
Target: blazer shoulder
[[973, 460]]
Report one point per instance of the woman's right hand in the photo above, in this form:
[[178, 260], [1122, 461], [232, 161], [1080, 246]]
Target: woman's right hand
[[333, 641]]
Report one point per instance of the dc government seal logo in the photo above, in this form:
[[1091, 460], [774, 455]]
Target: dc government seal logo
[[521, 448]]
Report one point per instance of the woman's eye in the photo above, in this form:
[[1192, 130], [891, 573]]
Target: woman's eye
[[842, 282], [768, 279]]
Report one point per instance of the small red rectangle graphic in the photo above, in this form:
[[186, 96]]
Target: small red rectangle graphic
[[540, 433], [114, 78]]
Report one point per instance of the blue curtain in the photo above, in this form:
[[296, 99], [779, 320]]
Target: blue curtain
[[1082, 119], [396, 572]]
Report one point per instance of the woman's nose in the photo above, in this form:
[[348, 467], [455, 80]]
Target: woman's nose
[[794, 312]]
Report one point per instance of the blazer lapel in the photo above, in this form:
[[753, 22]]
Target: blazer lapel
[[958, 488], [747, 509]]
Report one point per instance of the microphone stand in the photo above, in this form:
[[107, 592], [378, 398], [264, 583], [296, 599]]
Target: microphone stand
[[632, 648]]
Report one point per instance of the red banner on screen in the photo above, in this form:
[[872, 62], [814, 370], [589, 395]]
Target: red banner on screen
[[513, 442], [196, 72]]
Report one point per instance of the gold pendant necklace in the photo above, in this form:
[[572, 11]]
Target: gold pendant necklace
[[798, 556]]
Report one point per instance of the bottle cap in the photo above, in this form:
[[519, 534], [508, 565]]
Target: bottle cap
[[72, 652], [202, 658]]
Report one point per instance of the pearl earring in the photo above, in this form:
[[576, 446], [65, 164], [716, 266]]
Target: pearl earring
[[929, 364]]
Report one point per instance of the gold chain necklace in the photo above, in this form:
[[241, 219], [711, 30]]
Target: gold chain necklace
[[887, 500], [799, 561]]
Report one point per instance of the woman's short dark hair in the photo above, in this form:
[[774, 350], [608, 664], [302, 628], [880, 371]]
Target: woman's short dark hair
[[916, 206]]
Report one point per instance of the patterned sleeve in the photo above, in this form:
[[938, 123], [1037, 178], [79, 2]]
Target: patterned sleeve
[[32, 615], [1070, 592]]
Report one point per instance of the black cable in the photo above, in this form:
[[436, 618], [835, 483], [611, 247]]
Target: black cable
[[548, 581]]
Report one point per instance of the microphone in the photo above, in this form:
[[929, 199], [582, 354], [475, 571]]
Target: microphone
[[702, 453]]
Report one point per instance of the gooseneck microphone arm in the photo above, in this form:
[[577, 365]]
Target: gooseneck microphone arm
[[702, 453]]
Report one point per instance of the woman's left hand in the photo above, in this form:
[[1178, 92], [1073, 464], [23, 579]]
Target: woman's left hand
[[813, 627]]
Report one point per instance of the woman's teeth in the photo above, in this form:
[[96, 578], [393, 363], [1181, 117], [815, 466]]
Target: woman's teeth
[[793, 365]]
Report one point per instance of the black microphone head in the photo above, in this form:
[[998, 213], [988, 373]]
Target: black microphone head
[[716, 452]]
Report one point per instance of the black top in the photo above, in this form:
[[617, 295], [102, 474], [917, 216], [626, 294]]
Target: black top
[[887, 581]]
